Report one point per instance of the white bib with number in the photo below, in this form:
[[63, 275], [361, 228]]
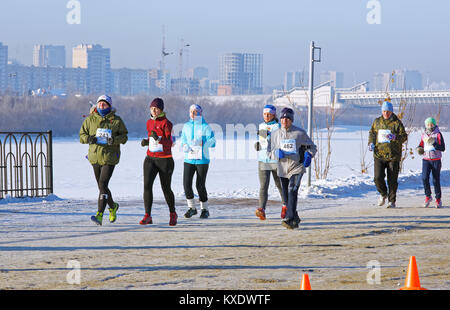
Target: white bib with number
[[154, 145], [102, 135], [195, 152], [428, 147], [289, 146], [263, 141], [382, 136]]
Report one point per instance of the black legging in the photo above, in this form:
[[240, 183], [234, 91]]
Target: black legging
[[188, 175], [164, 167], [103, 175]]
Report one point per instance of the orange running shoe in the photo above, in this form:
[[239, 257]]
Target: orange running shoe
[[261, 214], [146, 220], [283, 212]]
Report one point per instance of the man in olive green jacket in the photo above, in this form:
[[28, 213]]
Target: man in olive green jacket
[[104, 131], [386, 137]]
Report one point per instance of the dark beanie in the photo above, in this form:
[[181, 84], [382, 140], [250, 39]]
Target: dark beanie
[[158, 103], [287, 112]]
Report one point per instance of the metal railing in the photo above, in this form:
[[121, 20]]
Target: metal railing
[[26, 164]]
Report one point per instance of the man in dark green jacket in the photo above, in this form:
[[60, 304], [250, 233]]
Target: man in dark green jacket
[[386, 137], [104, 131]]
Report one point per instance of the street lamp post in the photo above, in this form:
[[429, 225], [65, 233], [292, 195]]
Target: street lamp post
[[315, 56]]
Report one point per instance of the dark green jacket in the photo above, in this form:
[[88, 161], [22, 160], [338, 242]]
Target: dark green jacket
[[104, 154], [391, 151]]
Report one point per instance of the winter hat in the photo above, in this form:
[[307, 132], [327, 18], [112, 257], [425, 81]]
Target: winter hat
[[430, 120], [387, 106], [157, 103], [197, 108], [268, 108], [288, 113], [105, 98]]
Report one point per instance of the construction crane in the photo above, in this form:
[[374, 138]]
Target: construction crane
[[164, 53], [180, 61]]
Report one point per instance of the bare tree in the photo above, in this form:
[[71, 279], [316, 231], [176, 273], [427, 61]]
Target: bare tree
[[322, 159]]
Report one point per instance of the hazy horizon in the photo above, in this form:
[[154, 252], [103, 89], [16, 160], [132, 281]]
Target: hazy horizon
[[411, 34]]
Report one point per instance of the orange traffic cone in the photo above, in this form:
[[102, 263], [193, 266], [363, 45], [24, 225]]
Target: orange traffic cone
[[305, 283], [412, 281]]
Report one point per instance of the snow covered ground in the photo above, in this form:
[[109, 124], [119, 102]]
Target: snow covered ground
[[232, 172]]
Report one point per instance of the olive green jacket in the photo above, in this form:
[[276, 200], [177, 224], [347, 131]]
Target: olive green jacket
[[104, 154], [389, 151]]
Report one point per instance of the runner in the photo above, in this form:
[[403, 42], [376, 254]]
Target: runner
[[294, 150], [266, 165], [196, 139], [431, 147], [104, 131], [386, 137], [158, 161]]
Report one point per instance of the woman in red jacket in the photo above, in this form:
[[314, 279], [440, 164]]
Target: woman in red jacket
[[158, 160]]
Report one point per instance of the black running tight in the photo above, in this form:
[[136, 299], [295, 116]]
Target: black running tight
[[164, 167], [103, 175]]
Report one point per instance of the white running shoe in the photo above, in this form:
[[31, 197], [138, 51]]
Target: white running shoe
[[391, 205], [381, 200]]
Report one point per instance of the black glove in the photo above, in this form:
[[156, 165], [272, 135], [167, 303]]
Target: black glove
[[263, 133], [154, 135], [301, 153], [257, 146], [110, 141], [144, 142], [92, 139]]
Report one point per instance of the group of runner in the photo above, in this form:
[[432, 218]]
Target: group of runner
[[284, 152]]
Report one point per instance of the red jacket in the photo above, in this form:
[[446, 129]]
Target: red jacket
[[163, 128]]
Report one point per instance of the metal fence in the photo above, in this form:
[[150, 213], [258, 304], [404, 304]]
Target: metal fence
[[26, 164]]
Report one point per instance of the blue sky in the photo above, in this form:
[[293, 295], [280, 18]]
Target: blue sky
[[412, 34]]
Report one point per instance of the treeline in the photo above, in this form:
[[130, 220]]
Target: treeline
[[64, 116]]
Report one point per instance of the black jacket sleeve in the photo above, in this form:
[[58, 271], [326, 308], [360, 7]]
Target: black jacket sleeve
[[439, 144]]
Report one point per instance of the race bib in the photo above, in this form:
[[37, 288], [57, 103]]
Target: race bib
[[154, 146], [102, 135], [428, 147], [195, 152], [289, 146], [382, 136], [263, 143]]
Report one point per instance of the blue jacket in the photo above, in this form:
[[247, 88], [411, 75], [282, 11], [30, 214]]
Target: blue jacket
[[198, 138], [263, 156]]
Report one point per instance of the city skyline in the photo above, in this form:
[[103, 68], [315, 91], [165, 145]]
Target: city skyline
[[239, 74], [410, 35]]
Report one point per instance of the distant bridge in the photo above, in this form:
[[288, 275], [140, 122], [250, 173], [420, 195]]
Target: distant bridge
[[325, 94]]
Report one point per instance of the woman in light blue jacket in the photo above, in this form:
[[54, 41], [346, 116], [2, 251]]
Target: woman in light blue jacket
[[266, 165], [196, 139]]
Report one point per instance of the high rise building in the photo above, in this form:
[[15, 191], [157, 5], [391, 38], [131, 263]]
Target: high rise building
[[130, 82], [336, 78], [3, 67], [381, 81], [242, 72], [400, 80], [49, 56], [97, 61], [407, 80], [294, 79], [198, 73]]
